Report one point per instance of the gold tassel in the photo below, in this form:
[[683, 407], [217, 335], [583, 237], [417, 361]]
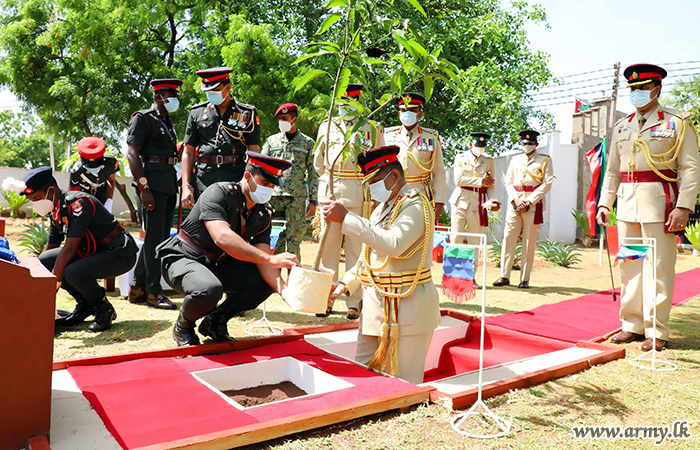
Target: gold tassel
[[316, 224], [392, 358], [379, 358], [367, 202]]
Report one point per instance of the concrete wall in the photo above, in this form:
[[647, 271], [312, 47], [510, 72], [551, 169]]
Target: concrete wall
[[119, 208]]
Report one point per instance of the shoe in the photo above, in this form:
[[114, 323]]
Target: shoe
[[104, 316], [183, 332], [159, 300], [524, 285], [353, 314], [137, 295], [81, 312], [214, 326], [626, 337], [502, 282], [476, 285], [648, 344]]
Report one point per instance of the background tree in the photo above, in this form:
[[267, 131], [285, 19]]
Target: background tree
[[685, 96], [24, 142]]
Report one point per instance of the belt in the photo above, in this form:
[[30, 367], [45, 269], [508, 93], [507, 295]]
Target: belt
[[171, 160], [526, 188], [393, 280], [648, 176], [220, 159], [483, 214], [343, 174], [423, 178], [480, 190], [119, 229], [539, 210], [199, 248]]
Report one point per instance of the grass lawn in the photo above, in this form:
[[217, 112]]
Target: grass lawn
[[616, 393]]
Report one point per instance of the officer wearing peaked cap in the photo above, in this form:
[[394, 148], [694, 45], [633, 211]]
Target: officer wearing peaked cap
[[96, 247], [95, 172], [653, 173], [221, 130], [528, 179], [224, 246], [347, 183], [152, 156], [400, 302]]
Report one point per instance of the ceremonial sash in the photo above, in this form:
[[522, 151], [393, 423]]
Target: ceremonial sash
[[483, 214], [539, 216], [651, 177]]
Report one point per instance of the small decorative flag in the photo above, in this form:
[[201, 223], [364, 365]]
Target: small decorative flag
[[275, 236], [631, 252], [458, 272]]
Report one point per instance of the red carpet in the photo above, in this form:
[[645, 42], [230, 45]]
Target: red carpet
[[592, 317], [149, 401]]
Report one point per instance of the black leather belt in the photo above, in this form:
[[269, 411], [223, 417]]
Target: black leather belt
[[119, 229], [172, 160], [220, 159], [199, 248]]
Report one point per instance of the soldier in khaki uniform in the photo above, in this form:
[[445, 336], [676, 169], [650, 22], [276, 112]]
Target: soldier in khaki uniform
[[528, 180], [347, 185], [393, 271], [475, 187], [653, 172], [421, 151]]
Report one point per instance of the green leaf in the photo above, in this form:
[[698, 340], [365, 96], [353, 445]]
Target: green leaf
[[372, 61], [334, 3], [330, 20], [385, 98], [343, 82], [419, 48], [417, 6], [316, 112], [314, 73], [428, 88], [404, 43]]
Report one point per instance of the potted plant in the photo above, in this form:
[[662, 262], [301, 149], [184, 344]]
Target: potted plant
[[582, 222], [692, 233]]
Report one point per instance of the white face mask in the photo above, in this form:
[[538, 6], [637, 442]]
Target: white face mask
[[285, 126], [262, 194], [215, 97], [171, 104], [528, 148], [408, 118], [640, 98], [44, 206], [379, 192], [478, 151]]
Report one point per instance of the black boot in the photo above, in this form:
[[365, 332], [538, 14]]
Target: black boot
[[214, 326], [104, 315], [82, 311], [183, 332]]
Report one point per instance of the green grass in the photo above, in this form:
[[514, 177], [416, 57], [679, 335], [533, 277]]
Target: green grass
[[616, 393]]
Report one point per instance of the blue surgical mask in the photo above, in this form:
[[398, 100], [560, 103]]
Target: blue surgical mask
[[262, 194], [215, 97], [171, 104], [408, 118], [640, 98], [93, 170], [378, 190]]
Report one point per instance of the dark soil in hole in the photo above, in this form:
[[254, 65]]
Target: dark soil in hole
[[264, 394]]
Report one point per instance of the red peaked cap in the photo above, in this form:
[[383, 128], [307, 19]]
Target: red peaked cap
[[211, 78], [286, 108], [171, 84], [637, 74], [373, 160], [91, 148], [270, 168]]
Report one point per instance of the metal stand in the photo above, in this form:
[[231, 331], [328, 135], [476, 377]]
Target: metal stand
[[653, 359], [263, 327], [479, 408]]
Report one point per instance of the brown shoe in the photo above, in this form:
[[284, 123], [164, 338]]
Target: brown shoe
[[648, 343], [353, 314], [137, 294], [501, 282], [160, 301], [626, 337], [524, 285]]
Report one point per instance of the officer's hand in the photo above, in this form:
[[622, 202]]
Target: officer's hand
[[334, 211], [338, 288], [678, 219], [520, 205], [487, 181], [438, 211], [310, 210], [602, 216], [495, 207], [285, 259], [187, 197], [147, 200]]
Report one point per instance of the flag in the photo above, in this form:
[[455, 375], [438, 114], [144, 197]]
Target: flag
[[458, 272], [275, 236], [631, 252], [596, 161]]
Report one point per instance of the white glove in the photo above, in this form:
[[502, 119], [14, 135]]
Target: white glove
[[108, 204]]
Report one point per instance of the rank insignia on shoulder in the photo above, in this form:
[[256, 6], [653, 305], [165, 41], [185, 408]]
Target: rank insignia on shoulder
[[76, 208], [413, 192], [257, 120]]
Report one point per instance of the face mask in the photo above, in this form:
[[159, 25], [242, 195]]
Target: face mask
[[640, 98], [408, 118], [529, 148], [215, 97], [262, 194], [44, 206], [478, 151], [285, 127], [379, 192], [172, 104], [93, 170]]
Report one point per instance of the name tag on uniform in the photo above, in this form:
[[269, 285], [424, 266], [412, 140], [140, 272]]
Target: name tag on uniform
[[664, 130]]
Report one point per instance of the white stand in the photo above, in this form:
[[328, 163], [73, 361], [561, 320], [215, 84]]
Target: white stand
[[263, 327], [479, 408], [653, 359]]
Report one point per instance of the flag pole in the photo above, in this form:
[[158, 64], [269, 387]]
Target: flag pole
[[607, 247]]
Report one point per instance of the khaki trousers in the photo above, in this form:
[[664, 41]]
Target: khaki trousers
[[330, 258], [637, 295], [514, 223], [412, 351]]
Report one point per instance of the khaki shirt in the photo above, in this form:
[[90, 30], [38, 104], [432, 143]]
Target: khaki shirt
[[646, 202], [469, 170], [423, 145], [420, 311], [533, 170], [347, 191]]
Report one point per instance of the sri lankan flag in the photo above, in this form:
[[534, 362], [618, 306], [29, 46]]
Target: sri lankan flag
[[458, 272]]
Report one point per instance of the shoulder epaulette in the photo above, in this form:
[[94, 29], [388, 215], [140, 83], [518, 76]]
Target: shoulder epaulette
[[413, 192], [199, 105], [75, 167], [627, 117], [680, 114], [431, 131], [246, 106]]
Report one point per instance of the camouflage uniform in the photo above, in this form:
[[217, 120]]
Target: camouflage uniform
[[300, 183]]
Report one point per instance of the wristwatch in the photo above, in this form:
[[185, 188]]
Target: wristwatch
[[143, 183]]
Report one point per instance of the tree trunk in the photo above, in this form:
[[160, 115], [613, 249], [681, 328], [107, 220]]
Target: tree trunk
[[132, 211]]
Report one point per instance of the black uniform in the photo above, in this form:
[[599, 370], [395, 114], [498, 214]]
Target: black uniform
[[156, 137], [106, 249], [204, 280], [96, 184], [221, 136]]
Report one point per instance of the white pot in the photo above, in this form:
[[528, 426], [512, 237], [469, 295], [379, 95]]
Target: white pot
[[696, 252]]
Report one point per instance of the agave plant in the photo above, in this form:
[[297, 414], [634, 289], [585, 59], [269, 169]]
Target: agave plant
[[34, 238], [14, 201], [581, 221], [692, 233], [558, 253], [495, 253], [494, 219]]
